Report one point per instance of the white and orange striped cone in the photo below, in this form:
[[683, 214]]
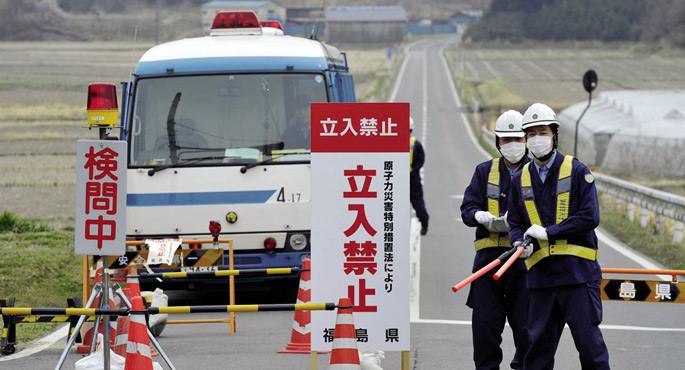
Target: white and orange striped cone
[[345, 355], [88, 337], [122, 331], [138, 356], [132, 283], [301, 336]]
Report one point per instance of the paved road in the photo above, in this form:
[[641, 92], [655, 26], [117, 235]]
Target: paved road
[[441, 332]]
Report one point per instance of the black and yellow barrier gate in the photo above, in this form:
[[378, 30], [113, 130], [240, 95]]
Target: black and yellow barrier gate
[[171, 310], [219, 273], [8, 340], [631, 290]]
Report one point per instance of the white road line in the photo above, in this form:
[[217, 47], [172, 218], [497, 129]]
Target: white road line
[[40, 344], [415, 270], [457, 101], [603, 327], [403, 67], [601, 235], [629, 253]]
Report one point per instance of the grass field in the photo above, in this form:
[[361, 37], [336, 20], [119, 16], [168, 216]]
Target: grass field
[[42, 111], [514, 76]]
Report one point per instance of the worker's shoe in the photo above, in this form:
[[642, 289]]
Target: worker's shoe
[[424, 229]]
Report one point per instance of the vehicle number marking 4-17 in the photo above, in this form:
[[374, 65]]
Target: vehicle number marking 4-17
[[289, 197]]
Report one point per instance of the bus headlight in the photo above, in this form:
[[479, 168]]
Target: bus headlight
[[298, 242]]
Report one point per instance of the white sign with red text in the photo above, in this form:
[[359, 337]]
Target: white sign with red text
[[100, 227], [360, 221]]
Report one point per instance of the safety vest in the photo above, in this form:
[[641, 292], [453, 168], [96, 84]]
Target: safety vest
[[412, 140], [560, 247], [494, 239]]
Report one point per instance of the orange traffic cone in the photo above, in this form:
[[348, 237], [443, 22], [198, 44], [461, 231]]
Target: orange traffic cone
[[138, 355], [133, 284], [88, 337], [121, 337], [301, 336], [344, 355]]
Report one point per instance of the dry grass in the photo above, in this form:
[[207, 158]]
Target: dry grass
[[553, 74]]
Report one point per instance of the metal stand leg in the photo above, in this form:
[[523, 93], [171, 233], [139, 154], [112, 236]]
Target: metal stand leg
[[153, 340], [94, 294], [96, 329], [105, 305]]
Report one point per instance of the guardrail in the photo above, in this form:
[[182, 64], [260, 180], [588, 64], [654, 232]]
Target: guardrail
[[662, 204]]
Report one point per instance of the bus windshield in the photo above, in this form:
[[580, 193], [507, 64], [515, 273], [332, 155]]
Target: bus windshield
[[223, 119]]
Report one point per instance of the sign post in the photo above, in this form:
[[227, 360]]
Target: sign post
[[360, 220], [101, 209]]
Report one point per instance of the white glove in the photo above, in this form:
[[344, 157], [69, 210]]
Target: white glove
[[536, 231], [527, 249], [484, 217]]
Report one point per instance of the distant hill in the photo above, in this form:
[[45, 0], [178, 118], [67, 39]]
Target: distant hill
[[122, 19], [605, 20]]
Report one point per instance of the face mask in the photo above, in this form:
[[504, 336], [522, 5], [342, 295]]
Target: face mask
[[540, 145], [513, 151]]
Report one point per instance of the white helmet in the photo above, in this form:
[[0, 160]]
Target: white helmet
[[539, 114], [508, 124], [411, 124]]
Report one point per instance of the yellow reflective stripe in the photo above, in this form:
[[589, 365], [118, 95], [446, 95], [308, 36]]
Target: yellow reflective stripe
[[564, 199], [493, 179], [562, 250], [494, 240], [493, 207], [174, 275], [566, 167], [531, 209], [532, 212], [412, 140], [279, 271], [493, 176], [525, 176]]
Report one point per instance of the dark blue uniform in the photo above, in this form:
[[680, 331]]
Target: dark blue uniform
[[415, 186], [564, 289], [492, 301]]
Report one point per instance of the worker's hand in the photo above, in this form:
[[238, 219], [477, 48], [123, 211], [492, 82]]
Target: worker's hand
[[527, 249], [484, 217], [536, 231]]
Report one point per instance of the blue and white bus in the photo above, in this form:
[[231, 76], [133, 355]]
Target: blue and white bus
[[218, 130]]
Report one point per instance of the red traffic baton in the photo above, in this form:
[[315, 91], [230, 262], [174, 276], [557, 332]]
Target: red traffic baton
[[483, 270], [508, 264]]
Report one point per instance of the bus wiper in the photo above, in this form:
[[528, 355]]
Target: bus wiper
[[163, 167], [171, 128], [246, 167]]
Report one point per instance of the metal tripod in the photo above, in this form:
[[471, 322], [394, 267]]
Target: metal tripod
[[102, 291]]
